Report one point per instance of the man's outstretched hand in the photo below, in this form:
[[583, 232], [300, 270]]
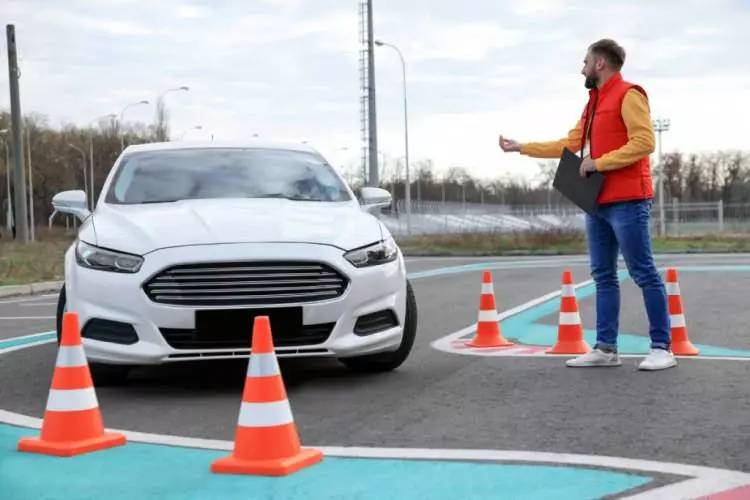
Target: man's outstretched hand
[[509, 145]]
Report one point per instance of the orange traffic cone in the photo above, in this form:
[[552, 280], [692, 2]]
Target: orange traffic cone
[[488, 327], [570, 331], [72, 422], [680, 343], [266, 442]]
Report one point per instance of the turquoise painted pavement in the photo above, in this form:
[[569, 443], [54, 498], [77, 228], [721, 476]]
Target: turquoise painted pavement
[[523, 328], [26, 340], [155, 471]]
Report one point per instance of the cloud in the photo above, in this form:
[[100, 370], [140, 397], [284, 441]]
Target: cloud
[[463, 42], [288, 69], [191, 12], [87, 22]]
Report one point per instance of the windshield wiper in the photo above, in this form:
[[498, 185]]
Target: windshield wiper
[[149, 202], [286, 197]]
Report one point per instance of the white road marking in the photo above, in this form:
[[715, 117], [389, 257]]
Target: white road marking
[[27, 299], [699, 480], [26, 317]]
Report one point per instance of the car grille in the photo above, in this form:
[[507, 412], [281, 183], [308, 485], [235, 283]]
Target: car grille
[[246, 283]]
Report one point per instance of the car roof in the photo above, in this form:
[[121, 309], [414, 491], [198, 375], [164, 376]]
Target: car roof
[[176, 145]]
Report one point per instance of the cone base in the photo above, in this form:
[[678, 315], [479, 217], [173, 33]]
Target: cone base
[[685, 348], [499, 342], [271, 467], [573, 347], [71, 448]]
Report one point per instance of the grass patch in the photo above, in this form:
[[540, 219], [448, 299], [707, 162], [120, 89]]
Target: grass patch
[[557, 242], [35, 262]]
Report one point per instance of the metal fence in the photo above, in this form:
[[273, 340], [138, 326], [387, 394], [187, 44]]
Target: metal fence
[[680, 219]]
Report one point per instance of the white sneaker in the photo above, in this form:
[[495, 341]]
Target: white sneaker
[[658, 359], [596, 357]]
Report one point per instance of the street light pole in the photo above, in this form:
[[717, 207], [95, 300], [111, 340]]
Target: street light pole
[[661, 125], [32, 230], [380, 43], [161, 115], [111, 117], [83, 167], [196, 127], [122, 114]]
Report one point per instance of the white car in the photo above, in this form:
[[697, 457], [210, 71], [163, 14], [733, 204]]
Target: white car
[[189, 243]]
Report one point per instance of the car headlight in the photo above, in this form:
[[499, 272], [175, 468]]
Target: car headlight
[[107, 260], [373, 255]]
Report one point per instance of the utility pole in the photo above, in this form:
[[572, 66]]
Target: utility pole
[[22, 222], [661, 125], [372, 120]]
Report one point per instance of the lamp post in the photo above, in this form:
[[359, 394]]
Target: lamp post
[[381, 43], [161, 114], [196, 127], [122, 114], [661, 125], [92, 192], [83, 166]]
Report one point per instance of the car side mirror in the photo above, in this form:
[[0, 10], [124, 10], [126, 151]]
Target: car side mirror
[[374, 198], [73, 203]]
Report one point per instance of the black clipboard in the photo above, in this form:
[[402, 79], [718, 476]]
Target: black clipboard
[[583, 191]]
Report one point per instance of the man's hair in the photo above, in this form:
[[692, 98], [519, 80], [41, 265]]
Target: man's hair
[[610, 51]]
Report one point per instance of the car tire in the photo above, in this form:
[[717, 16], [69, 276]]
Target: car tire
[[387, 361], [105, 375], [61, 303], [102, 374]]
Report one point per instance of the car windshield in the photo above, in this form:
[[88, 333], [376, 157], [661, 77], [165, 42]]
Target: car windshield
[[191, 174]]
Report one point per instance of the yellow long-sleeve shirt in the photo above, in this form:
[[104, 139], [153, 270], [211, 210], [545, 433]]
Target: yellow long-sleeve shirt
[[641, 142]]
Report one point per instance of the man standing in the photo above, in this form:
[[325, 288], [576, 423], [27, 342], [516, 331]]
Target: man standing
[[615, 137]]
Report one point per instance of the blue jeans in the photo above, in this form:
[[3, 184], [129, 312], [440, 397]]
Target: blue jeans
[[625, 227]]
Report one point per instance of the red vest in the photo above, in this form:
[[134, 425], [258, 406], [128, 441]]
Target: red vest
[[608, 132]]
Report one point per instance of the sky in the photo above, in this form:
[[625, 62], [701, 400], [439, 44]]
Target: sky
[[289, 70]]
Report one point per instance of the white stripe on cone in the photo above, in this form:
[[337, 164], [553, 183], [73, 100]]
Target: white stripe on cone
[[263, 365], [673, 288], [677, 320], [572, 318], [72, 399], [265, 414], [487, 288], [487, 316], [70, 356], [568, 291]]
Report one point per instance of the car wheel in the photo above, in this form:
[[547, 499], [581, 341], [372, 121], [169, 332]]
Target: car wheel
[[101, 373], [62, 305], [387, 361], [104, 375]]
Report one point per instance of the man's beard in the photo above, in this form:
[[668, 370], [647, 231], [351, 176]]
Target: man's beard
[[591, 82]]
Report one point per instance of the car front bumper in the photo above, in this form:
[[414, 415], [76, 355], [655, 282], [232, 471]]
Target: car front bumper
[[120, 297]]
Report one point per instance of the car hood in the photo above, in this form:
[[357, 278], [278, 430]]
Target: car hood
[[141, 229]]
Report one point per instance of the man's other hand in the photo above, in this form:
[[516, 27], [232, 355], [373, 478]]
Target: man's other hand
[[587, 165], [509, 145]]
